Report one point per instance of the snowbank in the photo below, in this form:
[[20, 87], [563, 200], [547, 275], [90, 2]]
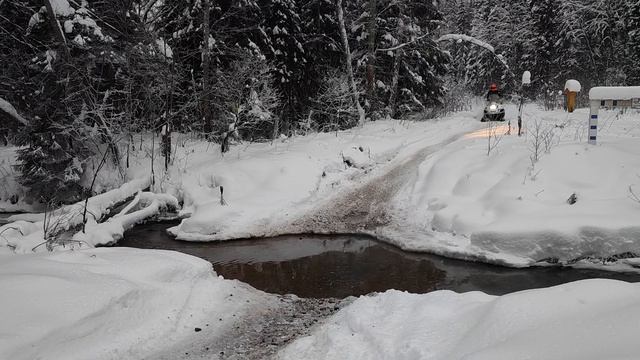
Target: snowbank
[[111, 303], [591, 319], [506, 209]]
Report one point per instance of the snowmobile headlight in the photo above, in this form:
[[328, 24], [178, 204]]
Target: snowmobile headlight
[[493, 107]]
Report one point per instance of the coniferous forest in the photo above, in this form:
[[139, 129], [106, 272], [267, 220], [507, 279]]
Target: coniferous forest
[[74, 85]]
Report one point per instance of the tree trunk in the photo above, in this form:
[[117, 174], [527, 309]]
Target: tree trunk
[[206, 68], [166, 144], [371, 58], [397, 60], [57, 30], [347, 55]]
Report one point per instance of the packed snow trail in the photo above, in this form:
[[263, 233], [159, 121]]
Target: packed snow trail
[[364, 208], [267, 187]]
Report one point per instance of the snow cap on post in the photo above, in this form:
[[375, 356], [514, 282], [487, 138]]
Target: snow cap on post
[[526, 78], [572, 85], [614, 93]]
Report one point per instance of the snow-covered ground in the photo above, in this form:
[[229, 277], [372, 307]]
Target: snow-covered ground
[[589, 319], [484, 196], [451, 186], [113, 303], [429, 186], [506, 207], [266, 186]]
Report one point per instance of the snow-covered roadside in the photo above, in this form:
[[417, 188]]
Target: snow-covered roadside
[[266, 186], [590, 319], [506, 209], [113, 303]]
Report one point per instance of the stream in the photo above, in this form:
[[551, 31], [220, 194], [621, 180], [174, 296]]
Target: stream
[[316, 266]]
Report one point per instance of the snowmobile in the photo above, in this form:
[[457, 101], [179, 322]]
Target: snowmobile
[[494, 111]]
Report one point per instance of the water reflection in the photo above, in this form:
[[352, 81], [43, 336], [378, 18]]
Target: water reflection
[[337, 273], [340, 266]]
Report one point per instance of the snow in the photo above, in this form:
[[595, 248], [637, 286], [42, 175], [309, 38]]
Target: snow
[[62, 7], [505, 209], [50, 57], [266, 186], [467, 38], [457, 201], [590, 319], [112, 303], [356, 156], [26, 232], [164, 48], [11, 111], [79, 40], [68, 26], [615, 93], [113, 229], [526, 78], [572, 85]]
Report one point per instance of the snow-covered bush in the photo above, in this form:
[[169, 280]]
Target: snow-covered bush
[[332, 108], [246, 100]]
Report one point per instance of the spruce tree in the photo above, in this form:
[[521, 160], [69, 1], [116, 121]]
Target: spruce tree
[[633, 46]]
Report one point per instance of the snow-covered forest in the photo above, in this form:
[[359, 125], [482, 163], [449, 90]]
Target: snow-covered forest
[[99, 72], [319, 179]]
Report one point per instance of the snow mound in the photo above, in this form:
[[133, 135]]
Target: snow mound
[[591, 319], [573, 85], [108, 303], [357, 156]]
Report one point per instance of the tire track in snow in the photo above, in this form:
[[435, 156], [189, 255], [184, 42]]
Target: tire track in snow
[[261, 333], [363, 208]]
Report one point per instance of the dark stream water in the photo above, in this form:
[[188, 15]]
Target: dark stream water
[[339, 266]]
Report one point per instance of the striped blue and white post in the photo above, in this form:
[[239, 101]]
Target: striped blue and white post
[[612, 97], [593, 121]]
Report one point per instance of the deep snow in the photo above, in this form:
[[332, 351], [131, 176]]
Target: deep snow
[[507, 208], [113, 303], [589, 319]]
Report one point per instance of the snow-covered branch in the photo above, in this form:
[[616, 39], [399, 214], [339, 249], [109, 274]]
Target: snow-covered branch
[[11, 111], [467, 38], [478, 42], [400, 46]]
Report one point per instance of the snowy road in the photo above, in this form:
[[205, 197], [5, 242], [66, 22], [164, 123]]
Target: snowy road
[[363, 208]]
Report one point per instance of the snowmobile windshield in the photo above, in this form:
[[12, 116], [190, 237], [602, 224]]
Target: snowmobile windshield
[[493, 97]]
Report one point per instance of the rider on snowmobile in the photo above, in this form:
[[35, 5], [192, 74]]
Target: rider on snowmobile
[[494, 94]]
